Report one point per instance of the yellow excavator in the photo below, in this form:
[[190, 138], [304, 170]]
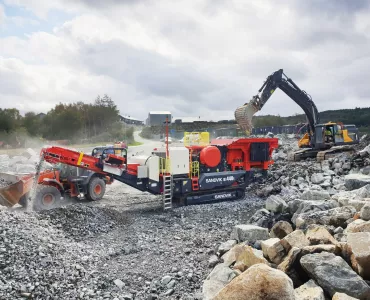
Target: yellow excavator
[[322, 140]]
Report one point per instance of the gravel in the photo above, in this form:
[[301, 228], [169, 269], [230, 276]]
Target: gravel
[[114, 248]]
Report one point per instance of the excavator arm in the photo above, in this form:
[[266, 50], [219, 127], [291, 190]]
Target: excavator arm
[[278, 79]]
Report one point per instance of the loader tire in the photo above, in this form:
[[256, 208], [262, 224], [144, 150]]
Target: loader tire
[[47, 197], [95, 189]]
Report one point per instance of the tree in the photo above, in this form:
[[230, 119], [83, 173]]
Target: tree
[[32, 123], [10, 119]]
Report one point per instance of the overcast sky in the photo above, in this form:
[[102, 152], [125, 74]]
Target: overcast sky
[[192, 57]]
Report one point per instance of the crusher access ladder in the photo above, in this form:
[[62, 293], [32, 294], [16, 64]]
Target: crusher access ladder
[[167, 191]]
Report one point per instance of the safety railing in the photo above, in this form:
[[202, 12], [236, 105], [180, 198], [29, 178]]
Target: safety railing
[[164, 165], [194, 170]]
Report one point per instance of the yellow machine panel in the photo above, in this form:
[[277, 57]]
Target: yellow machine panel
[[196, 138]]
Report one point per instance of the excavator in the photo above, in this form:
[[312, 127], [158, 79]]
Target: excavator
[[322, 140]]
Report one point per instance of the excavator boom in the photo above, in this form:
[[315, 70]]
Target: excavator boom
[[278, 79]]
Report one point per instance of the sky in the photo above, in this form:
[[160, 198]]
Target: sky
[[193, 58]]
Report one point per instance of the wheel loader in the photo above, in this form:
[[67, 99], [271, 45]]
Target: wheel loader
[[60, 183], [322, 140]]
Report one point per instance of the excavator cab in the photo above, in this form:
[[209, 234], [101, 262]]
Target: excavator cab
[[334, 134]]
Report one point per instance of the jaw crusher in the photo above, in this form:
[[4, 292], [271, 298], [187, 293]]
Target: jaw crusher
[[184, 175]]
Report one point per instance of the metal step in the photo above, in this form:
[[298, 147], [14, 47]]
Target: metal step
[[167, 192]]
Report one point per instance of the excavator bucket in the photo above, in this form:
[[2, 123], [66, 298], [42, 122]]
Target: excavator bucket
[[13, 188], [244, 115]]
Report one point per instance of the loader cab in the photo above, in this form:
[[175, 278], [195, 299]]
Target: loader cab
[[111, 155]]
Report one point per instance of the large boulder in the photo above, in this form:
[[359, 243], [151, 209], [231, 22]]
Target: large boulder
[[289, 261], [336, 249], [250, 257], [281, 229], [295, 239], [360, 193], [294, 205], [257, 283], [356, 181], [336, 217], [358, 226], [232, 255], [317, 234], [309, 291], [342, 296], [365, 212], [333, 274], [226, 246], [276, 204], [315, 195], [360, 247], [290, 266], [356, 203], [216, 280], [273, 250], [317, 178], [250, 233], [262, 218], [314, 206]]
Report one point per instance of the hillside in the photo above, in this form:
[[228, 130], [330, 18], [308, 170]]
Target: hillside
[[358, 116]]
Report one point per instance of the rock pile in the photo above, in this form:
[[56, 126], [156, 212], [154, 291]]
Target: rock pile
[[328, 175], [313, 240], [313, 261], [312, 237]]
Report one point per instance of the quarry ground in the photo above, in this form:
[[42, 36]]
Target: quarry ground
[[135, 250], [126, 247]]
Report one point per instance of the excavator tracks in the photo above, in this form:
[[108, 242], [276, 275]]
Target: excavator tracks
[[332, 152], [302, 154], [319, 155]]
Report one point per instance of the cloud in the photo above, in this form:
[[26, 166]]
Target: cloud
[[2, 15], [203, 58]]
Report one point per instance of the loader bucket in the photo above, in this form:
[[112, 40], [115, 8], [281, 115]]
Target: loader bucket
[[15, 189]]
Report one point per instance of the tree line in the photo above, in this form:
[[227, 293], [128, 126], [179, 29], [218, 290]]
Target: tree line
[[77, 122], [357, 116]]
